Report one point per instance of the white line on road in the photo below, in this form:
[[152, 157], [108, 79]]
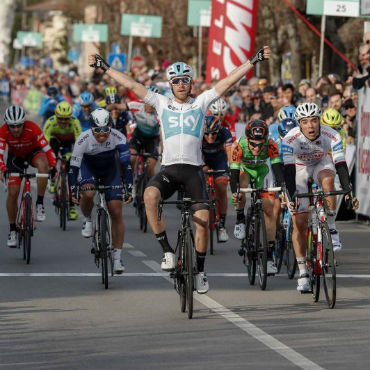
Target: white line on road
[[142, 274], [136, 253], [251, 329]]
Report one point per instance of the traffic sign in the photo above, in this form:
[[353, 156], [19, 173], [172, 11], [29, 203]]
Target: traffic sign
[[141, 25], [117, 61], [365, 7], [90, 32], [199, 13], [341, 8], [31, 39]]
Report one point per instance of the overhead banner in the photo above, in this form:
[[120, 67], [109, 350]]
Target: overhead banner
[[232, 36], [363, 151]]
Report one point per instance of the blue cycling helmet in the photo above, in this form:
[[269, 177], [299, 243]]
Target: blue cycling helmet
[[153, 88], [179, 69], [287, 111], [286, 125], [113, 99], [212, 124], [52, 91], [86, 98]]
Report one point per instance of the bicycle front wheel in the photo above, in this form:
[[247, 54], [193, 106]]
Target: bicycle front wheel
[[188, 267], [313, 271], [27, 229], [144, 220], [328, 266], [103, 245], [250, 258], [291, 261], [261, 244], [212, 227], [63, 202], [280, 247]]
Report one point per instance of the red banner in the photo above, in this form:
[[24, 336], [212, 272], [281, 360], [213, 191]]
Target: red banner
[[232, 36]]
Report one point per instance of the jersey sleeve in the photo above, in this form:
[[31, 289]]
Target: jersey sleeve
[[42, 143], [337, 149], [236, 156], [227, 137], [206, 98], [124, 157], [288, 152], [273, 152], [3, 131], [155, 100], [76, 128], [48, 128]]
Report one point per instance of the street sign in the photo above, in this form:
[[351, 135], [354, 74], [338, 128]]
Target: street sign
[[73, 55], [90, 32], [141, 25], [365, 7], [199, 13], [341, 8], [16, 44], [31, 39], [117, 61]]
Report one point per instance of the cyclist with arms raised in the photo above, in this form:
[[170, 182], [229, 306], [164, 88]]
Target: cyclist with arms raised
[[249, 160], [181, 119], [95, 156], [216, 150], [306, 154], [26, 143], [61, 131]]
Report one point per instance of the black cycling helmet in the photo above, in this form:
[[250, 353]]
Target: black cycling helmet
[[256, 130], [113, 99], [212, 124]]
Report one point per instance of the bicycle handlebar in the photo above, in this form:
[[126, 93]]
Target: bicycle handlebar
[[211, 172], [266, 190], [28, 175], [321, 194], [100, 188], [146, 155]]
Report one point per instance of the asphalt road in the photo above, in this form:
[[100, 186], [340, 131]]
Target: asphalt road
[[55, 314]]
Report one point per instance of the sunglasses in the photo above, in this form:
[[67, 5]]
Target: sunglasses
[[256, 145], [63, 119], [98, 130], [17, 126], [211, 133], [177, 80]]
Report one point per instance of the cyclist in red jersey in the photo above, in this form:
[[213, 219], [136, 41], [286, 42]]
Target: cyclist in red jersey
[[26, 143]]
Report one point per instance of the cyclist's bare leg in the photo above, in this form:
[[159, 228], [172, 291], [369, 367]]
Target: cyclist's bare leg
[[151, 166], [268, 210], [118, 227], [42, 165], [300, 222], [133, 160], [87, 201], [152, 196], [221, 194], [326, 180], [277, 210], [244, 182], [12, 202], [201, 234]]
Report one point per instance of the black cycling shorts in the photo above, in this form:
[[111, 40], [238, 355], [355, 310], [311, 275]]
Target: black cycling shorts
[[191, 178], [147, 144]]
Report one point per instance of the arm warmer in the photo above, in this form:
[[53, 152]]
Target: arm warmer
[[290, 178], [343, 173], [278, 170], [234, 180]]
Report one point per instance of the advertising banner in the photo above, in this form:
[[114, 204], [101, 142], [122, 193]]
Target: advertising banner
[[232, 36], [363, 151]]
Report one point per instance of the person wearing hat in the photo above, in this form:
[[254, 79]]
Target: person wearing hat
[[350, 123]]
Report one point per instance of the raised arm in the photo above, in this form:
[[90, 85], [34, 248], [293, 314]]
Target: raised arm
[[231, 79], [97, 62]]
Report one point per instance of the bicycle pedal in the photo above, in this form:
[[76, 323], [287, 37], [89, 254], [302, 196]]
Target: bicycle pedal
[[92, 250], [241, 252]]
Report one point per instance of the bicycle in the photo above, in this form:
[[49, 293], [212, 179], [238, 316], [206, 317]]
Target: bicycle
[[214, 212], [254, 246], [320, 254], [102, 233], [25, 218], [185, 269], [141, 180], [61, 200]]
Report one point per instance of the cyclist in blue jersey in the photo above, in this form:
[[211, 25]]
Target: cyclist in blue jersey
[[146, 134], [216, 149], [82, 109], [285, 112], [181, 122], [49, 103], [95, 157]]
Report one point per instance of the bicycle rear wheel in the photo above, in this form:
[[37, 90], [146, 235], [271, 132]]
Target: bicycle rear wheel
[[261, 244], [212, 227], [250, 258], [328, 266], [314, 274], [188, 267], [144, 217], [103, 245], [180, 277], [27, 229], [291, 261], [63, 211], [280, 247]]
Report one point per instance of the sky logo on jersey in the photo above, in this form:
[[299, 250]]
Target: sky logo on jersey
[[189, 123]]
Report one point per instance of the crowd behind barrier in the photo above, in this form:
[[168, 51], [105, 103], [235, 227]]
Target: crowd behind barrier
[[250, 99]]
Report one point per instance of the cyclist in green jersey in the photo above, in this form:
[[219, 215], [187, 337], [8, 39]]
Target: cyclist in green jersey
[[249, 156], [61, 131]]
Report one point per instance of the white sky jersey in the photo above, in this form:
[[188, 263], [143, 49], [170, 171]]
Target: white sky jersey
[[297, 149], [181, 126], [98, 154]]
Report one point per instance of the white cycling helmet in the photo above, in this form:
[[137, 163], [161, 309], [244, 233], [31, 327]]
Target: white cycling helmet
[[14, 115], [100, 117], [219, 107], [306, 110], [179, 69]]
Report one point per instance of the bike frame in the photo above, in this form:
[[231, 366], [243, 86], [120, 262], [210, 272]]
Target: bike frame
[[21, 215]]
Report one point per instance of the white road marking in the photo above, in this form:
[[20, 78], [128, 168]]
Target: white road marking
[[136, 253], [128, 246], [251, 329]]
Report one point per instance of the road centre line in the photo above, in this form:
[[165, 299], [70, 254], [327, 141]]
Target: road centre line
[[251, 329]]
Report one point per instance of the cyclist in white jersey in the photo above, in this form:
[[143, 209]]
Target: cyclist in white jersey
[[181, 120], [305, 152]]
